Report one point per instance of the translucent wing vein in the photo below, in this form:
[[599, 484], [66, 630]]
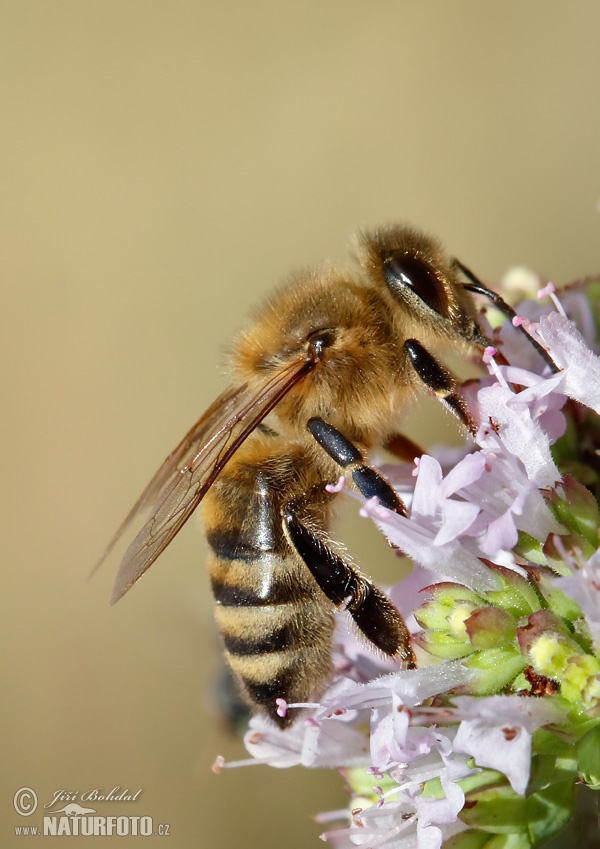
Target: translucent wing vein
[[179, 485]]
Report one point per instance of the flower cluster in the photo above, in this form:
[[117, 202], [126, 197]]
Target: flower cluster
[[484, 743]]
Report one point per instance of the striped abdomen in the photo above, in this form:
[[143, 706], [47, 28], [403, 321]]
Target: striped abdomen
[[275, 622]]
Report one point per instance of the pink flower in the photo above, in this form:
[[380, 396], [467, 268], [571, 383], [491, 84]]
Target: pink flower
[[406, 730], [497, 731], [584, 587], [581, 368]]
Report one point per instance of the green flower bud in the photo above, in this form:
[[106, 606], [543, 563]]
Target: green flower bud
[[443, 618], [580, 680], [443, 645], [495, 669], [490, 627], [518, 596], [553, 652], [470, 839], [530, 548], [560, 603], [576, 508]]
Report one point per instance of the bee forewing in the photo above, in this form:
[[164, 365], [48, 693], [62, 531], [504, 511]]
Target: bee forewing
[[187, 449], [181, 482]]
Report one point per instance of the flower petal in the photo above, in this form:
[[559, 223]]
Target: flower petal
[[581, 376]]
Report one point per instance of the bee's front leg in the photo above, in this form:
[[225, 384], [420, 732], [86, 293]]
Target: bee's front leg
[[370, 608], [477, 287], [440, 381], [369, 482]]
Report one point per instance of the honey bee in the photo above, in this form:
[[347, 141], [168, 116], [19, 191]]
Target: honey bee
[[319, 379]]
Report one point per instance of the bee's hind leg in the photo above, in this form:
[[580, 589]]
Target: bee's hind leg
[[440, 381], [372, 611], [368, 481]]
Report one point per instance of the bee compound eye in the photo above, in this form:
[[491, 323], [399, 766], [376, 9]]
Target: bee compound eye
[[405, 271]]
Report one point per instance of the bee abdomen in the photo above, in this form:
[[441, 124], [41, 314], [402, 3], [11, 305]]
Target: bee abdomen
[[275, 622], [243, 574], [230, 544], [276, 628], [279, 640], [295, 673]]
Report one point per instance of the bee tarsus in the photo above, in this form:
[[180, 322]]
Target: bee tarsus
[[478, 288], [372, 611], [440, 381], [369, 482]]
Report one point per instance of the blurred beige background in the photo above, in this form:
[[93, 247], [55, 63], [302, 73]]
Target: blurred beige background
[[163, 164]]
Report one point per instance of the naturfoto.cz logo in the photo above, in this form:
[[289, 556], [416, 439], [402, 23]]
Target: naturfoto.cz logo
[[77, 820]]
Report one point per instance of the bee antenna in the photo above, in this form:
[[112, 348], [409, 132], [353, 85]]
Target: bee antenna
[[477, 287]]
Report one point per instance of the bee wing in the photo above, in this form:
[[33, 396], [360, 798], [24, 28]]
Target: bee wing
[[181, 482], [187, 449]]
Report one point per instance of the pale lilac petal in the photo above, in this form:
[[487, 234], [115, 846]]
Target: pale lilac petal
[[506, 487], [501, 535], [570, 351], [530, 713], [578, 308], [542, 397], [347, 695], [441, 811], [548, 412], [450, 560], [333, 744], [458, 516], [464, 473], [307, 742], [536, 518], [537, 386], [267, 743], [537, 389], [427, 499], [497, 733], [506, 749], [349, 838], [413, 686], [456, 765], [429, 837], [389, 728], [523, 437], [584, 587]]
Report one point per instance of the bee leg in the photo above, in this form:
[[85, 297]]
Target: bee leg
[[403, 448], [369, 482], [370, 608], [477, 287], [440, 381]]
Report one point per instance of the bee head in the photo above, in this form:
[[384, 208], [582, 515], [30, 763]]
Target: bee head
[[421, 286]]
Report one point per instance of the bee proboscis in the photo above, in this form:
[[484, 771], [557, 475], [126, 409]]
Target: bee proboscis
[[319, 379]]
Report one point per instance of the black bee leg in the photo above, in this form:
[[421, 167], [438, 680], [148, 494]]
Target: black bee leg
[[372, 611], [369, 482], [439, 380], [478, 288]]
